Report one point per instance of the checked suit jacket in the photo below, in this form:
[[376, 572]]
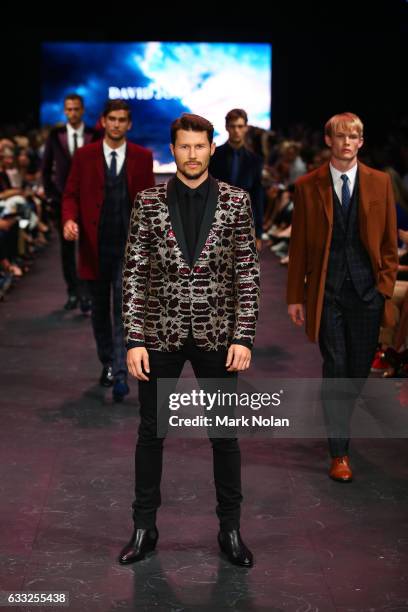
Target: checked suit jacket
[[217, 296]]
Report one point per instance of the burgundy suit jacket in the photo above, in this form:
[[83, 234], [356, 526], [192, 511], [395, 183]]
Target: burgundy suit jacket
[[85, 191]]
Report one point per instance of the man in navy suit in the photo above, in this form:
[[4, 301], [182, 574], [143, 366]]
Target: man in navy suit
[[233, 163], [59, 150]]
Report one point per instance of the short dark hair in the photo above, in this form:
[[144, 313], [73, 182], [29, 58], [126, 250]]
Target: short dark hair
[[74, 96], [236, 113], [115, 105], [193, 123]]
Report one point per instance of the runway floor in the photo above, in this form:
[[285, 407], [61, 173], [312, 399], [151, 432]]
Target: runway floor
[[66, 463]]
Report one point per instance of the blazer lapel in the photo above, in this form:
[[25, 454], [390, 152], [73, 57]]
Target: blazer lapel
[[100, 164], [63, 138], [87, 137], [129, 166], [208, 217], [175, 217], [324, 187], [364, 192]]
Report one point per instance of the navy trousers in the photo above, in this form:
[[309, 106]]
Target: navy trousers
[[348, 339], [107, 320]]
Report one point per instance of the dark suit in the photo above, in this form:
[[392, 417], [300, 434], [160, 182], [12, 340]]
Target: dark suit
[[56, 165], [249, 177], [189, 309]]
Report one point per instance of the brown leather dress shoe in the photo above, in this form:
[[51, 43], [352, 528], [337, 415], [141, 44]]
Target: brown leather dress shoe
[[340, 469]]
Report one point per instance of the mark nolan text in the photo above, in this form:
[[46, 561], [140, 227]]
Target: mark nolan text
[[225, 421], [256, 420]]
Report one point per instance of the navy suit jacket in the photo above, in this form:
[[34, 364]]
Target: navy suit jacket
[[57, 159], [249, 177]]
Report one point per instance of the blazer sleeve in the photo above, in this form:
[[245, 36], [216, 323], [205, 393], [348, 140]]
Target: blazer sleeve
[[136, 271], [389, 248], [71, 195], [297, 251], [247, 276]]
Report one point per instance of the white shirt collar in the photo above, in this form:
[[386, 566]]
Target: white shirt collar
[[79, 130], [121, 151], [336, 174]]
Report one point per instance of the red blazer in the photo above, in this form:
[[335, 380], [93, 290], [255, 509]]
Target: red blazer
[[85, 191]]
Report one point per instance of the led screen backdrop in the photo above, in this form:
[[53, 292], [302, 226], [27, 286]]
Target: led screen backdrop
[[160, 80]]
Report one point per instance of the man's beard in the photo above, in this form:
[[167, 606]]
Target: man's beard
[[191, 176]]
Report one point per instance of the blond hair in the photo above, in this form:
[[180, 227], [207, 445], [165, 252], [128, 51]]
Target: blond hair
[[344, 121]]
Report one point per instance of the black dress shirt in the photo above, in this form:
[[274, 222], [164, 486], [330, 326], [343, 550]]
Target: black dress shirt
[[192, 204]]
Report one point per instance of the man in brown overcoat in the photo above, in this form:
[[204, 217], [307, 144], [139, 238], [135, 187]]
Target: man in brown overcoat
[[343, 263]]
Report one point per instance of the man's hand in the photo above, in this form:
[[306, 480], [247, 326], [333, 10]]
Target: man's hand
[[403, 235], [136, 359], [7, 224], [259, 244], [238, 358], [296, 313], [71, 230]]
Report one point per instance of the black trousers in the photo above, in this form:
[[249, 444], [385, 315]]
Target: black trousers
[[348, 339], [107, 319], [67, 251], [149, 448]]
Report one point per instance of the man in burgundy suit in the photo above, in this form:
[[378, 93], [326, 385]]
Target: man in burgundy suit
[[97, 202], [59, 151]]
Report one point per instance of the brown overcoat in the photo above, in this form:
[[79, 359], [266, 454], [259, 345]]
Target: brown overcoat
[[312, 227]]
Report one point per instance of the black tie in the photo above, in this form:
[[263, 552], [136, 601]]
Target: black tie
[[112, 167], [75, 141], [345, 193]]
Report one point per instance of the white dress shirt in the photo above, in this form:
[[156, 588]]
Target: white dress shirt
[[79, 131], [338, 181], [120, 155]]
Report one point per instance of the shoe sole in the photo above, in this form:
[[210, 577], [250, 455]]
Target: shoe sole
[[119, 398], [342, 480], [232, 561], [148, 553], [237, 564]]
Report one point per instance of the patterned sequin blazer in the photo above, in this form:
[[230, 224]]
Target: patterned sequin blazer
[[218, 295]]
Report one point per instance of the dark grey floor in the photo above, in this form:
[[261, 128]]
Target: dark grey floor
[[66, 464]]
